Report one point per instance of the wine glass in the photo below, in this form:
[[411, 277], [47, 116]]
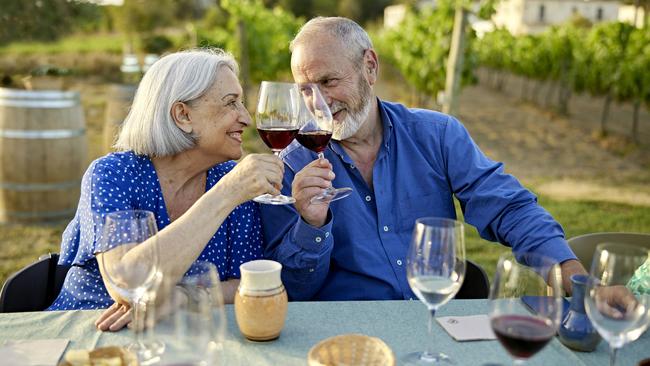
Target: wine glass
[[618, 315], [435, 268], [128, 261], [192, 324], [539, 283], [277, 124], [315, 133]]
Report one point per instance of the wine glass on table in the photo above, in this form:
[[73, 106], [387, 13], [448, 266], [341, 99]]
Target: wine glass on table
[[128, 260], [435, 268], [538, 283], [192, 321], [277, 124], [618, 315], [316, 122]]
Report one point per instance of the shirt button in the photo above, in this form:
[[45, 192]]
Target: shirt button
[[399, 262], [327, 234], [311, 270], [385, 228], [368, 198], [318, 239]]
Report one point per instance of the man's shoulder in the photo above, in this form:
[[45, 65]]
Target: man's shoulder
[[414, 115]]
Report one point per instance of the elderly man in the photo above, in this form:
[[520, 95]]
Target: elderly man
[[402, 164]]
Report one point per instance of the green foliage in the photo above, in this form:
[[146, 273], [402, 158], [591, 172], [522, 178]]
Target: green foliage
[[35, 20], [76, 44], [268, 33], [419, 47], [157, 44], [606, 58]]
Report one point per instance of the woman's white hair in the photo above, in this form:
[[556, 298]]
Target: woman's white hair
[[348, 32], [149, 128]]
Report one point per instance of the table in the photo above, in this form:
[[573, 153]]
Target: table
[[401, 324]]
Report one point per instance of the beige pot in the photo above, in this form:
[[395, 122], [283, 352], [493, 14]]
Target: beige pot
[[261, 300]]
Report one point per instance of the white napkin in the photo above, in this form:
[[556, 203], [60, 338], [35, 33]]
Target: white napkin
[[38, 352], [467, 328]]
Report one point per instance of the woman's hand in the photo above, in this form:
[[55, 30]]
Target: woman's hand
[[254, 175], [114, 318]]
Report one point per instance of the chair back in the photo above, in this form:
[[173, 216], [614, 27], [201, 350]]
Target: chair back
[[584, 246], [476, 284], [34, 287]]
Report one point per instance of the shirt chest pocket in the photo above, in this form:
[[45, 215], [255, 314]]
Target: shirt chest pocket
[[412, 208]]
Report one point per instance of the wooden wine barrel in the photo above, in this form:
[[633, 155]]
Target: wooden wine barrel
[[118, 103], [42, 154]]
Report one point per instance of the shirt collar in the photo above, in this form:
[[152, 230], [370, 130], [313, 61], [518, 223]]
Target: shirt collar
[[387, 125]]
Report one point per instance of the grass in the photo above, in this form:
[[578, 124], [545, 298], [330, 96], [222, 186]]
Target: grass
[[80, 43]]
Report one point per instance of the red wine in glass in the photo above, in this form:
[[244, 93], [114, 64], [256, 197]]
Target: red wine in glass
[[277, 124], [315, 141], [315, 133], [522, 336], [277, 138]]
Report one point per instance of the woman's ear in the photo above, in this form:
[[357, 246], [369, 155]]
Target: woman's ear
[[181, 116]]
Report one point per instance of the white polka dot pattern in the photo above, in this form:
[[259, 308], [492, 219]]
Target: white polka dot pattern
[[122, 181]]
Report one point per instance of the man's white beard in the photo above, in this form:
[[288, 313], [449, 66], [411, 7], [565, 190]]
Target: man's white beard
[[354, 119]]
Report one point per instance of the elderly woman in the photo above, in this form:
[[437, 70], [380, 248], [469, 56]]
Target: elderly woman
[[176, 150]]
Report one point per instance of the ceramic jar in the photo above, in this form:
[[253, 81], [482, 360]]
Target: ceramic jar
[[576, 330], [261, 300]]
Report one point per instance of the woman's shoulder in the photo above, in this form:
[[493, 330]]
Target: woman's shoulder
[[219, 170]]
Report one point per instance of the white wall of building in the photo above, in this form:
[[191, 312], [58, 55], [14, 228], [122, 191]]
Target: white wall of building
[[534, 16]]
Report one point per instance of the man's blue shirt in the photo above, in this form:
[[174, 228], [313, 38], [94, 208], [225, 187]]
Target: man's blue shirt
[[425, 159]]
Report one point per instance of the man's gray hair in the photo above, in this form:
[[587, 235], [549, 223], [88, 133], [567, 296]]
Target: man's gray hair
[[149, 128], [347, 31]]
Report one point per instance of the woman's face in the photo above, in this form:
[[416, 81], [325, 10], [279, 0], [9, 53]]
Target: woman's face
[[219, 117]]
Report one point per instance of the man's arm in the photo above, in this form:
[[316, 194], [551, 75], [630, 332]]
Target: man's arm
[[302, 243], [500, 207]]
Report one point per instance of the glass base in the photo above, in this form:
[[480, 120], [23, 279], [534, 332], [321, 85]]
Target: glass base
[[274, 200], [147, 354], [425, 358], [330, 195]]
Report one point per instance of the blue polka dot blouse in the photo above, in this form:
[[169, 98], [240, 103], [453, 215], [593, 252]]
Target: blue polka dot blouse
[[122, 181]]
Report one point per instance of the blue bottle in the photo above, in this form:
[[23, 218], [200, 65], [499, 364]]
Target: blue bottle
[[576, 330]]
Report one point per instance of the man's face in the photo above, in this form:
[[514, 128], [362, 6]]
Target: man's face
[[341, 81]]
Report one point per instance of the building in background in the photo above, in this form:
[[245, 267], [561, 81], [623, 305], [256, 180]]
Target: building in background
[[534, 16]]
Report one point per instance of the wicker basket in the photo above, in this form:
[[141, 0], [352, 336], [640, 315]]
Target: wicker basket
[[351, 349]]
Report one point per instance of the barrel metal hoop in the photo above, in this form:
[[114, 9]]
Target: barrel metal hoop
[[53, 104], [38, 98], [36, 187], [39, 215], [42, 134]]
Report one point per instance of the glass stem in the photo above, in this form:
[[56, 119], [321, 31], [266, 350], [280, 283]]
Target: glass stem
[[432, 319], [612, 356], [321, 155], [139, 307]]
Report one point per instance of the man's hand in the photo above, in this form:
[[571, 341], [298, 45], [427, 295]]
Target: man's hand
[[309, 182], [569, 268]]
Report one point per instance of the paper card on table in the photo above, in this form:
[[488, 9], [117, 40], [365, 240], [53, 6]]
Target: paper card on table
[[37, 352], [467, 328]]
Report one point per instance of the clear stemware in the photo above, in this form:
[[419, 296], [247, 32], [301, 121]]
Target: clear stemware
[[193, 322], [435, 268], [277, 124], [538, 283], [618, 315], [315, 133], [128, 260]]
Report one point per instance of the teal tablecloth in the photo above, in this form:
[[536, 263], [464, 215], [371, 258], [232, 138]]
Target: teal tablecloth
[[401, 324]]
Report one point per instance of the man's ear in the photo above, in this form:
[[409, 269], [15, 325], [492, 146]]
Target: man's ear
[[370, 65], [181, 115]]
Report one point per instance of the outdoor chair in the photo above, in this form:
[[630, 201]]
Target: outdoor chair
[[34, 287], [476, 284], [584, 246]]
